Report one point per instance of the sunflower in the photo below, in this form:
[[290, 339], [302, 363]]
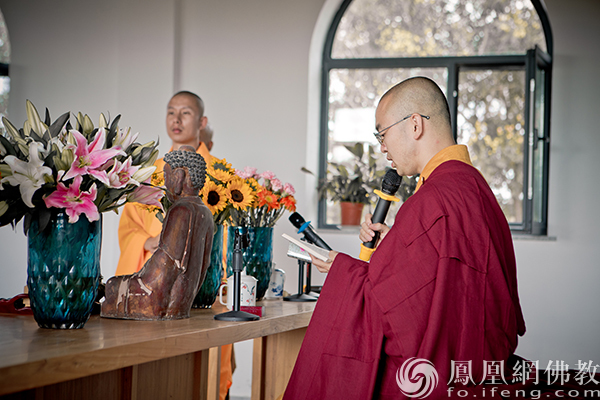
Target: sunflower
[[219, 175], [220, 170], [253, 183], [214, 196], [221, 164], [268, 198], [158, 179], [240, 193]]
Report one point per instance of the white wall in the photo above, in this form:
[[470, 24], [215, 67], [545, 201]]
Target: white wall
[[253, 64], [558, 281]]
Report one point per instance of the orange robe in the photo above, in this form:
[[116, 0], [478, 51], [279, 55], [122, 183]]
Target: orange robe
[[138, 224]]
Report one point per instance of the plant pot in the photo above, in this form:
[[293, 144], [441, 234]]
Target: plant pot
[[351, 213], [63, 270], [210, 287]]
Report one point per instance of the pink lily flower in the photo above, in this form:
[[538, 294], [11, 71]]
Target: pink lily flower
[[148, 195], [121, 174], [74, 201], [90, 158]]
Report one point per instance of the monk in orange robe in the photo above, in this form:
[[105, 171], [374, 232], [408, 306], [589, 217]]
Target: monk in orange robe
[[139, 229], [441, 286]]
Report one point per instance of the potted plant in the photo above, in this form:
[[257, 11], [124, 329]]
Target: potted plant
[[351, 183]]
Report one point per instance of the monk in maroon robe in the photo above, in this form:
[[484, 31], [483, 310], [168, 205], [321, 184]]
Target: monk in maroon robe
[[440, 287]]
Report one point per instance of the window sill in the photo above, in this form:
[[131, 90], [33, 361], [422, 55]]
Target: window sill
[[537, 238], [353, 230]]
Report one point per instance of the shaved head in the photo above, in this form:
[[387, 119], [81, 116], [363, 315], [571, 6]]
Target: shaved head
[[418, 95], [195, 98], [413, 118]]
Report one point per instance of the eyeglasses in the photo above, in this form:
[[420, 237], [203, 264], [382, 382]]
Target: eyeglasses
[[379, 135]]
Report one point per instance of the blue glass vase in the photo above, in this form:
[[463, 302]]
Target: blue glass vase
[[210, 288], [258, 256], [63, 270]]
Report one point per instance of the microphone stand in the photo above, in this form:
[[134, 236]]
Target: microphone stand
[[308, 289], [300, 296], [240, 242]]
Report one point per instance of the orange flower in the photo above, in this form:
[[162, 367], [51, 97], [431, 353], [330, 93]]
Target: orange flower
[[268, 198], [289, 202]]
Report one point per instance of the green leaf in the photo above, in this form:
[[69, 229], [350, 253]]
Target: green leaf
[[114, 126], [58, 124], [26, 223], [47, 117], [35, 137], [10, 150], [43, 218], [357, 149]]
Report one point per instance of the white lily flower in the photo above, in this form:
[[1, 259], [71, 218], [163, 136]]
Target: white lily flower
[[28, 176], [125, 138], [142, 174]]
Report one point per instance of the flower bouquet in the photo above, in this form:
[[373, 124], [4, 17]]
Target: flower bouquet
[[245, 198], [50, 174], [81, 170]]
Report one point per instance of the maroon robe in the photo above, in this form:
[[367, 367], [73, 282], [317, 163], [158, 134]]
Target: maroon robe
[[441, 286]]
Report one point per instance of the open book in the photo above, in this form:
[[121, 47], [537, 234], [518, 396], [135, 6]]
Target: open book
[[300, 250]]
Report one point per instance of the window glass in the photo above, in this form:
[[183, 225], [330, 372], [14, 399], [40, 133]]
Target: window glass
[[539, 148], [491, 122], [353, 97], [433, 28]]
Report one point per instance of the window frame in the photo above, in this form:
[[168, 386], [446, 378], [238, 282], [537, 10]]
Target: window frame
[[527, 62]]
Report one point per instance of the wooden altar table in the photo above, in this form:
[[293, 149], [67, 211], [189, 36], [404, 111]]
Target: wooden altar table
[[134, 360]]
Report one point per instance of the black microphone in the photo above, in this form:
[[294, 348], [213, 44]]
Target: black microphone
[[309, 234], [389, 187]]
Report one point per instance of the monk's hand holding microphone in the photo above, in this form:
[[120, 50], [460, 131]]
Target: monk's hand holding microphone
[[374, 225]]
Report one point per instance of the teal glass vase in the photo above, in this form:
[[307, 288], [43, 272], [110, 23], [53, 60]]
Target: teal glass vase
[[63, 270], [258, 256], [210, 288]]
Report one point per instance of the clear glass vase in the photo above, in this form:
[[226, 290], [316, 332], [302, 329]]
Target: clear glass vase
[[210, 288], [63, 270], [258, 256]]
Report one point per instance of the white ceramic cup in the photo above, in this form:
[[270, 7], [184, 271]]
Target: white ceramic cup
[[276, 283], [247, 291]]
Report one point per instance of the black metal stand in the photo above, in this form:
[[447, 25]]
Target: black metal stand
[[308, 289], [300, 296], [240, 242]]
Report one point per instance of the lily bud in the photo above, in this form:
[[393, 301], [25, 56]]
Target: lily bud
[[33, 118], [139, 149], [88, 125], [103, 123], [152, 159], [10, 128], [142, 174]]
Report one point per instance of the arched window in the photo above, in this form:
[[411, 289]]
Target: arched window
[[493, 59], [4, 61]]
